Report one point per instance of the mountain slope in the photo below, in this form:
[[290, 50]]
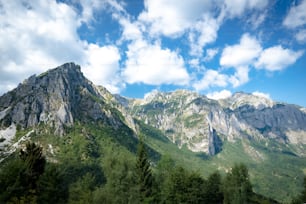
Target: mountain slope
[[59, 97], [77, 122], [202, 124], [53, 103]]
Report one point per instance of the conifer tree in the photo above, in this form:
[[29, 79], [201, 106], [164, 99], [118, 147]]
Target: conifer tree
[[143, 173], [34, 162], [214, 192], [237, 186]]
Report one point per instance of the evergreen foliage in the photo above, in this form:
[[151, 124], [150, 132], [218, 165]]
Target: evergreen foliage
[[115, 175], [19, 178], [213, 191], [34, 164], [237, 186], [302, 197], [143, 172]]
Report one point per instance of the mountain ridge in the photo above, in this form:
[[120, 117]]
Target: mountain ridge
[[189, 114], [66, 113], [62, 95]]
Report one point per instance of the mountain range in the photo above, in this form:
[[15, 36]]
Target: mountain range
[[200, 133]]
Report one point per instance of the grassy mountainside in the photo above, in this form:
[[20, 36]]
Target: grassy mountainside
[[274, 172], [90, 136]]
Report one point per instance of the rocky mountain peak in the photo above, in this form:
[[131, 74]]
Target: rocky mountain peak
[[203, 124], [166, 97], [59, 97], [56, 97], [240, 99]]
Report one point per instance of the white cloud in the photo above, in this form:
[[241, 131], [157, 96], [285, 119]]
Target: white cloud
[[257, 19], [153, 65], [240, 57], [171, 17], [39, 35], [131, 31], [148, 62], [296, 16], [260, 94], [88, 7], [236, 8], [211, 78], [301, 36], [219, 95], [277, 58], [240, 77], [195, 63], [241, 54], [210, 54], [35, 37], [202, 33], [102, 66]]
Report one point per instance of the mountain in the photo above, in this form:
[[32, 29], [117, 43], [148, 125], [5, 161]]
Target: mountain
[[77, 121], [203, 124], [58, 99]]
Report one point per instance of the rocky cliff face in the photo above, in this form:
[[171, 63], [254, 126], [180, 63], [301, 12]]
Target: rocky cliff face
[[203, 124], [62, 96], [57, 97]]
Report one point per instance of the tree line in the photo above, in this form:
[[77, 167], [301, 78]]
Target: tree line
[[29, 178]]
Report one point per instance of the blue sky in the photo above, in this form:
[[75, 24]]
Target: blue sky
[[133, 47]]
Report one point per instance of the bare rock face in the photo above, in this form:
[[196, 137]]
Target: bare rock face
[[57, 97], [61, 96], [203, 124]]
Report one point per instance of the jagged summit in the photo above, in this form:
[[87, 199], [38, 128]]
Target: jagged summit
[[239, 99], [241, 128], [202, 124], [57, 97], [61, 96]]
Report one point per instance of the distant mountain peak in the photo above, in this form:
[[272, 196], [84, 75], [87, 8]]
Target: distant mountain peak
[[63, 95], [239, 99], [57, 97]]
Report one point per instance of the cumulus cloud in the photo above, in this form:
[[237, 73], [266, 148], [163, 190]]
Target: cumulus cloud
[[296, 16], [277, 58], [170, 17], [240, 57], [240, 77], [236, 8], [202, 33], [102, 66], [88, 7], [210, 54], [249, 53], [150, 64], [211, 78], [34, 37], [301, 36], [131, 31], [173, 19], [219, 95], [242, 54], [44, 35], [260, 94]]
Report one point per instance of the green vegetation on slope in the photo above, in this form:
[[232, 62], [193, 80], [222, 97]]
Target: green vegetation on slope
[[273, 171], [95, 163]]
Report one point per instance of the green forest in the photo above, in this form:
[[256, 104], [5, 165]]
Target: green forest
[[27, 177]]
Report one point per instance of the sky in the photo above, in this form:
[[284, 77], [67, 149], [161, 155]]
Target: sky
[[134, 47]]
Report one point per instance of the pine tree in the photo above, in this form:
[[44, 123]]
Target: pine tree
[[34, 164], [23, 173], [143, 173], [213, 193], [303, 195], [237, 186]]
